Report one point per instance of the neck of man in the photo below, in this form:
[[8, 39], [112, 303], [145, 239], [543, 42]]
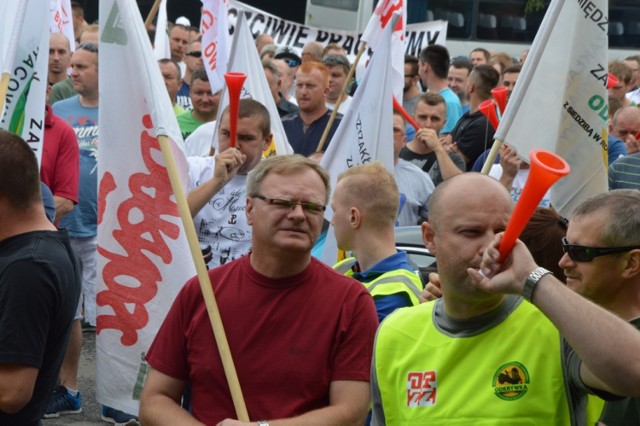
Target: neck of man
[[310, 116], [411, 92], [89, 100], [436, 84], [54, 78], [474, 103], [20, 222], [466, 308], [374, 245], [334, 101], [204, 117], [275, 264]]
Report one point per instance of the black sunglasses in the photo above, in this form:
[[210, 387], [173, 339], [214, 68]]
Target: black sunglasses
[[579, 253], [195, 54]]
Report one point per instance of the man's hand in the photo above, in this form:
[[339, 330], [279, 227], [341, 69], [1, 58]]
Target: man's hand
[[433, 289], [509, 161], [227, 164], [498, 276], [632, 143], [428, 138]]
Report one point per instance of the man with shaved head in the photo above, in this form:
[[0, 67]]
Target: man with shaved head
[[59, 58], [502, 329]]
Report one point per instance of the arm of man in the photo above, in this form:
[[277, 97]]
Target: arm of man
[[348, 403], [429, 138], [227, 164], [63, 206], [160, 401], [16, 386], [607, 345]]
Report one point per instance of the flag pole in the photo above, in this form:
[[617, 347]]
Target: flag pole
[[352, 71], [205, 283], [152, 13], [497, 143]]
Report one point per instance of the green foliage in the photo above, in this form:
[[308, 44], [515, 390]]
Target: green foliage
[[534, 6]]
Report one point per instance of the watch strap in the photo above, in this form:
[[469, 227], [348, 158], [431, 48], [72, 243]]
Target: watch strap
[[532, 282]]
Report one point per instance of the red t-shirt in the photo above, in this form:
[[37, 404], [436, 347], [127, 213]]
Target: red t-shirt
[[60, 164], [289, 339]]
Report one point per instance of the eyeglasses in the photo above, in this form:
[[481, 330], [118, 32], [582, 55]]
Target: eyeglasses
[[579, 253], [290, 204], [195, 54], [89, 47]]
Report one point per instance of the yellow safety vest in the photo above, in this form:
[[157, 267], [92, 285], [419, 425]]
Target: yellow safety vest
[[510, 374]]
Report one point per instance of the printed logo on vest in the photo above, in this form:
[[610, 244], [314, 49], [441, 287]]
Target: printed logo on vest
[[510, 381], [421, 388]]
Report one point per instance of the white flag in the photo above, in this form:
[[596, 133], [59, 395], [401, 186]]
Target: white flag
[[372, 34], [365, 133], [215, 41], [25, 41], [61, 20], [244, 58], [560, 101], [161, 46], [143, 256]]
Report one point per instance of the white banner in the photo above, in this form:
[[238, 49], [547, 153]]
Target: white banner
[[26, 58], [560, 102], [216, 42], [143, 256], [161, 46], [365, 133], [62, 20], [245, 59], [289, 33]]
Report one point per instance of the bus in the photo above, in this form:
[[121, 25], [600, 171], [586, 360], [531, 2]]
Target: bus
[[496, 25]]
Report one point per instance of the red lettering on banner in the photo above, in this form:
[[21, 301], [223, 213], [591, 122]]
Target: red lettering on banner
[[211, 53], [107, 185], [141, 233], [387, 13], [207, 20]]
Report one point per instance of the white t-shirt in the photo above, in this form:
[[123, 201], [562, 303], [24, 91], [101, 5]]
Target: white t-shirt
[[222, 222], [344, 106], [415, 188], [518, 184]]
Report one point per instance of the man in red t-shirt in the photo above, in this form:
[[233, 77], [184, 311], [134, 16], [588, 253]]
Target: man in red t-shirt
[[300, 334]]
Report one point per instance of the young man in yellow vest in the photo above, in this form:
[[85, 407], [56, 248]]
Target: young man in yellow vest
[[490, 351], [365, 205]]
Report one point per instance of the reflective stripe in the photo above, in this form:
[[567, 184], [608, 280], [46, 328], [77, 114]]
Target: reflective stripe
[[345, 265], [394, 279]]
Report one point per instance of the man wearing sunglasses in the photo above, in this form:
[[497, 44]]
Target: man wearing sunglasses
[[602, 263], [300, 333], [492, 348], [192, 62]]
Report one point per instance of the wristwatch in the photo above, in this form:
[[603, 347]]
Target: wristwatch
[[532, 281], [263, 423]]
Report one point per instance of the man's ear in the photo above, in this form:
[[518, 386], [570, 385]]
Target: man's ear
[[428, 237], [248, 211], [632, 265], [355, 218]]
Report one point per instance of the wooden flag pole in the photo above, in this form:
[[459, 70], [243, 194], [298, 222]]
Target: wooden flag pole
[[491, 157], [152, 13], [352, 71], [205, 283]]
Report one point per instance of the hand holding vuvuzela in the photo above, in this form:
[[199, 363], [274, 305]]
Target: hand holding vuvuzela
[[546, 169]]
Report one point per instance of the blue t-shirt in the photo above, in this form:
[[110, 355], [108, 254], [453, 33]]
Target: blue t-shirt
[[47, 201], [82, 221], [454, 109]]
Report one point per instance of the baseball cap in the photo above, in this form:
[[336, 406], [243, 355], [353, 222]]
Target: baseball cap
[[287, 52]]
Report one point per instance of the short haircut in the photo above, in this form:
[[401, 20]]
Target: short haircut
[[199, 74], [412, 61], [267, 64], [165, 61], [172, 26], [622, 210], [543, 237], [19, 172], [91, 28], [621, 71], [462, 63], [633, 58], [249, 108], [513, 69], [485, 78], [484, 52], [437, 57], [337, 60], [310, 66], [285, 165], [503, 59], [372, 188], [433, 99], [330, 47], [615, 104], [316, 49], [91, 48]]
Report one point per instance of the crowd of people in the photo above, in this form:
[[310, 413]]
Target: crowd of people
[[547, 335]]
